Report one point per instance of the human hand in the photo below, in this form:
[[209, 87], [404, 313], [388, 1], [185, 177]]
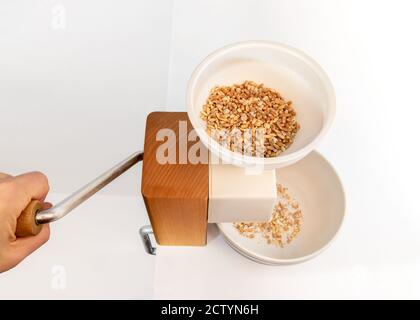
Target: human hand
[[15, 194]]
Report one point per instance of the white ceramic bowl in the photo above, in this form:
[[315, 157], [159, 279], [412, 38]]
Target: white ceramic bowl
[[314, 183], [295, 75]]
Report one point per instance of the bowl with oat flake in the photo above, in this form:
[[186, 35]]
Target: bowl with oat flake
[[306, 219], [260, 103]]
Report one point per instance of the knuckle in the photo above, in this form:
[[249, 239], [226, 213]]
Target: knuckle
[[42, 178]]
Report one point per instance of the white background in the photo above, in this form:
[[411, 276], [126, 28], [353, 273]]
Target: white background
[[73, 102]]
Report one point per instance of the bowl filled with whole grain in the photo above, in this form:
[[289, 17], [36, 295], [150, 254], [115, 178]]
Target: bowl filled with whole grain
[[260, 103]]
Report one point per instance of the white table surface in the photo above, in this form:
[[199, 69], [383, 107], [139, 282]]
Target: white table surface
[[98, 249], [218, 272]]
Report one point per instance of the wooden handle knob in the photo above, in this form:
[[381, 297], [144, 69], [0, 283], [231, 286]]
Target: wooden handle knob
[[26, 224]]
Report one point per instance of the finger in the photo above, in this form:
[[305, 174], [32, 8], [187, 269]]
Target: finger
[[46, 205], [4, 175], [23, 247], [33, 185]]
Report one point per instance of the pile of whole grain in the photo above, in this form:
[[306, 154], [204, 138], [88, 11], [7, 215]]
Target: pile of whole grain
[[284, 225], [250, 118]]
